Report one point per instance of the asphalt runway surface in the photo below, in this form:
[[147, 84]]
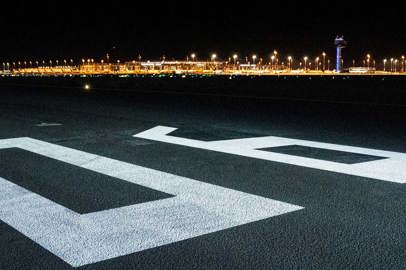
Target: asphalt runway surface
[[311, 218]]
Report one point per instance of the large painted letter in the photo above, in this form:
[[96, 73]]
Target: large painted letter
[[198, 208], [391, 167]]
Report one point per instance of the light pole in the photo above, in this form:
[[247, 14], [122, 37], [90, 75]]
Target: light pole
[[290, 62], [254, 57], [317, 63], [275, 52], [272, 61], [305, 62], [403, 63], [368, 60], [391, 65], [324, 61], [235, 57], [213, 59], [193, 56], [384, 64]]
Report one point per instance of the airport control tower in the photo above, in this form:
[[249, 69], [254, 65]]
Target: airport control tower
[[340, 44]]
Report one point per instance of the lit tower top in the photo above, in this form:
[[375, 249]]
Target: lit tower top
[[340, 44]]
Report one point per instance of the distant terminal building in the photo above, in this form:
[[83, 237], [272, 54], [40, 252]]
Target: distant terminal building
[[362, 70]]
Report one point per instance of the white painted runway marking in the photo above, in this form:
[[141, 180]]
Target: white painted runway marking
[[392, 169], [198, 208], [48, 125]]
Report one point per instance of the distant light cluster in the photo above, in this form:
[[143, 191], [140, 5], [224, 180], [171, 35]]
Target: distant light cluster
[[274, 64]]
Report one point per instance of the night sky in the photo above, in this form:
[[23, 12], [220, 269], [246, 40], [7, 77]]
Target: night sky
[[69, 29]]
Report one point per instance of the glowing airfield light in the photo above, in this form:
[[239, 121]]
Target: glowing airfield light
[[87, 87]]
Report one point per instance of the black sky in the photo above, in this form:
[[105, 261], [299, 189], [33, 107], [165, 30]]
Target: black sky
[[73, 29]]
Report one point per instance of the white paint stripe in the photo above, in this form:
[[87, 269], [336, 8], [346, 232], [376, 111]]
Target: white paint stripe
[[198, 208], [390, 169], [48, 125]]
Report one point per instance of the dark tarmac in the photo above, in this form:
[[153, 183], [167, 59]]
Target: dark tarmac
[[348, 222]]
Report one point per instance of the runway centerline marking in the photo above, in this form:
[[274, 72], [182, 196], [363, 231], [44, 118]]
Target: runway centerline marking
[[391, 168], [197, 209]]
